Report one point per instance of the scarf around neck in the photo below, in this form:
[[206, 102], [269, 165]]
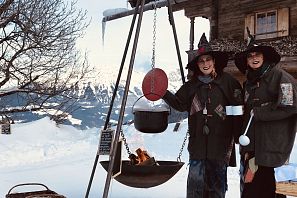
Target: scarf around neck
[[255, 75], [205, 78]]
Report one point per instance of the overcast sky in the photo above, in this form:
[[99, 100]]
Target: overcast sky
[[116, 32]]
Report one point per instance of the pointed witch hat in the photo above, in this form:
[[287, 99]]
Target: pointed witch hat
[[204, 48], [269, 53]]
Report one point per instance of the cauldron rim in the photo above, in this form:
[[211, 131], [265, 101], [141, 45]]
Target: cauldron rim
[[150, 106]]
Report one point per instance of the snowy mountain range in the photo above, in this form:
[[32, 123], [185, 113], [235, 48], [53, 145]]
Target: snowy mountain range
[[94, 97]]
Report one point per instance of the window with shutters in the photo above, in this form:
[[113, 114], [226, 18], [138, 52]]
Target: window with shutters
[[268, 24]]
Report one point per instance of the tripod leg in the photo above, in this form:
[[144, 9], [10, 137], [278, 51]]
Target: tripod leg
[[113, 97], [122, 111], [171, 20]]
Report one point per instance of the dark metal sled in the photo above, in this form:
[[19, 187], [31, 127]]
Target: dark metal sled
[[146, 176]]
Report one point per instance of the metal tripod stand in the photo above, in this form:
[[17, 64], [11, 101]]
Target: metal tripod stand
[[138, 11]]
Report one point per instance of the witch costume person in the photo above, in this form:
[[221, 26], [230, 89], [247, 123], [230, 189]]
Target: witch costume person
[[270, 97], [211, 132]]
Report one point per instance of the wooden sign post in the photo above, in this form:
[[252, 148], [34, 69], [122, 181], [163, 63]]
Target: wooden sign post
[[117, 167]]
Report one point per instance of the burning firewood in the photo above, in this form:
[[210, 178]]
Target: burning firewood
[[142, 158]]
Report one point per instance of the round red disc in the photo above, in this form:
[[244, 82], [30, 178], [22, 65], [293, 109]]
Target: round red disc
[[154, 84]]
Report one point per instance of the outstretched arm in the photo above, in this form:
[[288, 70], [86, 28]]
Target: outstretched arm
[[178, 101]]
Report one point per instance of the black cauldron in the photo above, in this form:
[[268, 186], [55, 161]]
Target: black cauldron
[[150, 117], [151, 122]]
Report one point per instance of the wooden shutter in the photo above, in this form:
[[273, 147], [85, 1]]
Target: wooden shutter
[[283, 22], [250, 23]]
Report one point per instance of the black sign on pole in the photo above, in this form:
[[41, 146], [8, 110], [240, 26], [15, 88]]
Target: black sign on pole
[[5, 129], [176, 127], [106, 138]]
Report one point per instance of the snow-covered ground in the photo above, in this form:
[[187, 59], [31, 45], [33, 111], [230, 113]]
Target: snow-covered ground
[[62, 157]]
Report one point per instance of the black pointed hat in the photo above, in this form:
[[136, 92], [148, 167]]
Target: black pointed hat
[[269, 53], [204, 48]]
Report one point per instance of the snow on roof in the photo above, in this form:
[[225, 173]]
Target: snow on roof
[[110, 12]]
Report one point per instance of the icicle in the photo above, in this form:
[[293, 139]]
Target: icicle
[[108, 13], [103, 31]]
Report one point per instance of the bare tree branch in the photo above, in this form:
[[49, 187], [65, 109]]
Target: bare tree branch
[[39, 62]]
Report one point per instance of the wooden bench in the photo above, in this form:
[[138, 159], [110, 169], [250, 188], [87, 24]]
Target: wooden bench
[[286, 188]]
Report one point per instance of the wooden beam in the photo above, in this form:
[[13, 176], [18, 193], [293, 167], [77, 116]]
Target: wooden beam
[[148, 6]]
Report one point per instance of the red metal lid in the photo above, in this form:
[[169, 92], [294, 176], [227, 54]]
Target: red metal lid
[[154, 84]]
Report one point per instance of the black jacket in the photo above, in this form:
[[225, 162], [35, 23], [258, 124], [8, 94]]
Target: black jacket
[[192, 97], [272, 131]]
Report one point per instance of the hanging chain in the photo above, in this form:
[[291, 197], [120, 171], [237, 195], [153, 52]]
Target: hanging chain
[[125, 143], [182, 147], [154, 34], [153, 66], [154, 46]]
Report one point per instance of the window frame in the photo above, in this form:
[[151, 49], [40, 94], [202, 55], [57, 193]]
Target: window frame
[[266, 34], [282, 24]]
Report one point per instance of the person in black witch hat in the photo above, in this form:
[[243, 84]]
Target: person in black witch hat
[[270, 97], [211, 141]]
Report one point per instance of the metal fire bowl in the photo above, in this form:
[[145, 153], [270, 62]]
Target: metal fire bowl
[[145, 176]]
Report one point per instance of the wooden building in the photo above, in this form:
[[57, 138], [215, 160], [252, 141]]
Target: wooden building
[[272, 23]]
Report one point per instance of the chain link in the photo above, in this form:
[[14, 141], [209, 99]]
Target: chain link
[[125, 143], [182, 147]]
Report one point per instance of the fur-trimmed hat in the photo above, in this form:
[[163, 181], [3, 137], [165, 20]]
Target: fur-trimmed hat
[[204, 48], [269, 53]]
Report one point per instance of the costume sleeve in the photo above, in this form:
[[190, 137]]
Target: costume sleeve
[[286, 103], [178, 101]]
